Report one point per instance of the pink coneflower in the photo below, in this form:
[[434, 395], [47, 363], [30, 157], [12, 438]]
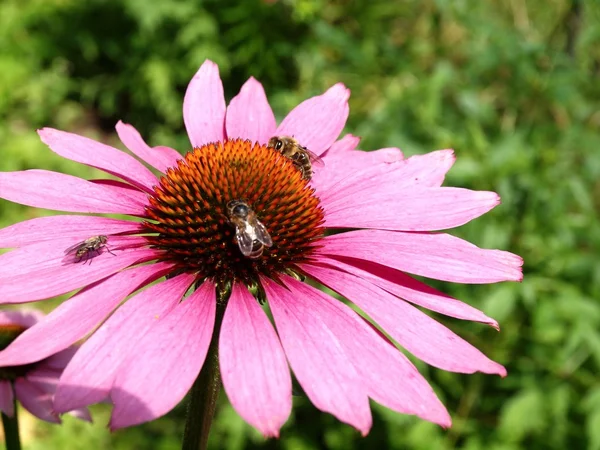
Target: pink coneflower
[[149, 351], [32, 384]]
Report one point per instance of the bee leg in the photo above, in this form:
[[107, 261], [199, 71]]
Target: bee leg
[[108, 250], [300, 168]]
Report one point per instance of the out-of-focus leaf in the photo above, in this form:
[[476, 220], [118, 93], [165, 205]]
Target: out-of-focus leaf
[[523, 415]]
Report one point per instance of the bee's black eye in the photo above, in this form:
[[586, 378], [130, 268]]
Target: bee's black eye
[[240, 210], [278, 144]]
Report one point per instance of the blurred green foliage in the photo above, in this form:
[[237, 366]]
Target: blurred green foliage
[[512, 85]]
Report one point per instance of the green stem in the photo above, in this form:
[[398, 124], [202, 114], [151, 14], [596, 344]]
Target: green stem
[[204, 393], [11, 429]]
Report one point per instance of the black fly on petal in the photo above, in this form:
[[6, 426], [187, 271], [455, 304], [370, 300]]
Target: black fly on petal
[[88, 249]]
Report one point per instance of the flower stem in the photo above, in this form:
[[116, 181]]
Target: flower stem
[[204, 393], [11, 429]]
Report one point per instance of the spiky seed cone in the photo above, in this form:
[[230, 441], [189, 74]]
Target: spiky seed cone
[[189, 220]]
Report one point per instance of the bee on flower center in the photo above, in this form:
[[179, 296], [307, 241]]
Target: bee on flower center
[[302, 158], [252, 236]]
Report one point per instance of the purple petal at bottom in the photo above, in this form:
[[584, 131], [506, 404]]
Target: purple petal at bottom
[[36, 400]]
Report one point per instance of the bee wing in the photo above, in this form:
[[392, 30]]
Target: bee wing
[[262, 234], [245, 241], [314, 158], [74, 248]]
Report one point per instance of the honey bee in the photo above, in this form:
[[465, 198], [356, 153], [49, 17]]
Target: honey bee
[[302, 158], [252, 236], [89, 248]]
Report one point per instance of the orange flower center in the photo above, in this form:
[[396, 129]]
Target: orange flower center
[[191, 213]]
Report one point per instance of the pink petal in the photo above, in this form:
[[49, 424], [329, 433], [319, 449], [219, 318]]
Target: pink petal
[[429, 169], [345, 145], [387, 154], [342, 162], [42, 270], [416, 209], [415, 331], [81, 414], [338, 170], [23, 317], [317, 355], [159, 157], [317, 122], [91, 373], [166, 361], [87, 151], [47, 373], [41, 384], [59, 361], [7, 405], [48, 228], [204, 106], [254, 370], [355, 160], [15, 262], [417, 171], [439, 256], [403, 286], [43, 377], [75, 318], [35, 400], [341, 180], [249, 115], [118, 185], [51, 190], [381, 367]]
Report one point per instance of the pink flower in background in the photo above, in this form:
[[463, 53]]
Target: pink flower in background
[[33, 384], [149, 351]]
